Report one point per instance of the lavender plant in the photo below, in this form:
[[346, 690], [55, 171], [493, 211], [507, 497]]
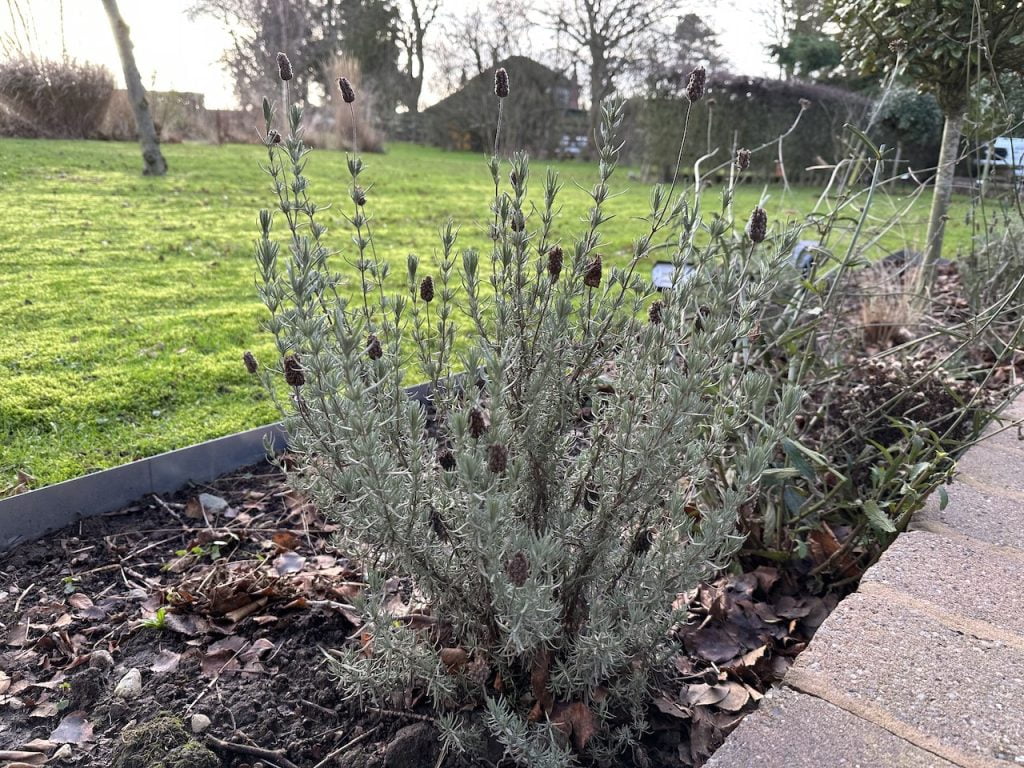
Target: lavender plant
[[580, 460]]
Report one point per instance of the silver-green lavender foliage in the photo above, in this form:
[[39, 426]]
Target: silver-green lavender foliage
[[587, 467]]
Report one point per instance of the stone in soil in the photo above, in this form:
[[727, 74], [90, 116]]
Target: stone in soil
[[129, 686], [413, 746]]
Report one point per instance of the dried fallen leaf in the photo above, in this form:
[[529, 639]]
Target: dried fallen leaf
[[736, 698], [44, 710], [73, 729], [186, 624], [165, 662], [289, 562], [18, 637], [577, 721], [669, 707], [454, 659], [85, 608], [704, 695], [286, 540]]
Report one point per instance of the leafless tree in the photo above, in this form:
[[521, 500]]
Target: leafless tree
[[417, 17], [610, 37], [153, 159], [473, 42]]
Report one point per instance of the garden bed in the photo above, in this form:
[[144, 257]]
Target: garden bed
[[227, 614]]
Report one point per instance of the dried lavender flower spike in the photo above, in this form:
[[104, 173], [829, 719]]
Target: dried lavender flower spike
[[284, 66], [373, 348], [517, 568], [654, 313], [592, 274], [427, 289], [554, 263], [757, 227], [501, 83], [250, 362], [695, 84], [293, 374], [348, 94], [477, 425], [497, 458], [743, 159]]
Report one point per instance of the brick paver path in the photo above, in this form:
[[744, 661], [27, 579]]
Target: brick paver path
[[924, 665]]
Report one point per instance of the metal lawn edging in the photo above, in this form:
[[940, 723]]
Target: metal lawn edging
[[30, 515]]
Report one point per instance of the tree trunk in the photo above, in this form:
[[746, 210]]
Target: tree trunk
[[943, 187], [597, 92], [153, 159]]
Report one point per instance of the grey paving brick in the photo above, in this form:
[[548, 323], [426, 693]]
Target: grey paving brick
[[791, 730], [963, 691], [961, 575], [983, 514], [996, 462]]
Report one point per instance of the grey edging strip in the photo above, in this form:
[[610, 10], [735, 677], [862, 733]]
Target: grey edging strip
[[30, 515]]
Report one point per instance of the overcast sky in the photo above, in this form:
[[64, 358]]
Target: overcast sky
[[174, 53]]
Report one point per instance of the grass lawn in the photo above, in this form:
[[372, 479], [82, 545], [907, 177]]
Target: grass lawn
[[127, 302]]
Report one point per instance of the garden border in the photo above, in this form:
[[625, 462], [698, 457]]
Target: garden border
[[30, 515], [882, 682]]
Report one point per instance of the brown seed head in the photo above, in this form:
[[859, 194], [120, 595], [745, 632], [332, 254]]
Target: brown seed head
[[497, 458], [274, 137], [642, 542], [284, 66], [517, 568], [555, 263], [348, 94], [501, 83], [479, 671], [743, 159], [898, 46], [805, 104], [427, 289], [446, 459], [373, 348], [757, 227], [250, 362], [293, 374], [437, 524], [654, 313], [592, 274], [695, 84], [477, 425]]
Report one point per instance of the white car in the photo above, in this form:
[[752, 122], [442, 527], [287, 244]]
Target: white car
[[1007, 153]]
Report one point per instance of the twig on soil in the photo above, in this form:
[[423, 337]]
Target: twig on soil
[[167, 508], [273, 756], [317, 708], [348, 745], [17, 603], [398, 713], [216, 677]]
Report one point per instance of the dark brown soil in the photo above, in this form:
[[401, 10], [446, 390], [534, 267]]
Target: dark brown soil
[[228, 614], [261, 679]]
